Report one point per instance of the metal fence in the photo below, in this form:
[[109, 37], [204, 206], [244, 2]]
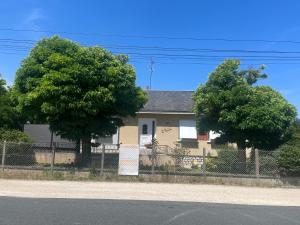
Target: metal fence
[[161, 160]]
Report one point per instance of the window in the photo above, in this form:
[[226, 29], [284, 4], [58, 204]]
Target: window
[[187, 129], [145, 129]]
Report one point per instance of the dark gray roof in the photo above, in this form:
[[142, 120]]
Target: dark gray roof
[[169, 101], [41, 133]]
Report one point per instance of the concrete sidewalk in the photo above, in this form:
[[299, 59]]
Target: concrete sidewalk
[[151, 191]]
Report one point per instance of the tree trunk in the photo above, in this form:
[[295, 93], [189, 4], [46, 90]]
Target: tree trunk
[[241, 157], [78, 156], [86, 151]]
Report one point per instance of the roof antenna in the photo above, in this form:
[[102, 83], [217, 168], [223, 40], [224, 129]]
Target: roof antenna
[[151, 72]]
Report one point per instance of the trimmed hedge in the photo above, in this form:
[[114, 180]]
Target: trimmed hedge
[[289, 160]]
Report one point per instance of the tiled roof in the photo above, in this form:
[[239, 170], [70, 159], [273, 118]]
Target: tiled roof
[[169, 101]]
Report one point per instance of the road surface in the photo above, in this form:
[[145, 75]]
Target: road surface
[[33, 211]]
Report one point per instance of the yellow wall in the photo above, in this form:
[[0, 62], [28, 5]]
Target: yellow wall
[[44, 157], [167, 132], [167, 128], [128, 134]]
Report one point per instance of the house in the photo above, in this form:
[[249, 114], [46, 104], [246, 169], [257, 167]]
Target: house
[[167, 116]]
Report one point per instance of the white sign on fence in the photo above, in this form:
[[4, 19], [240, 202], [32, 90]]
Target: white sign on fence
[[129, 160]]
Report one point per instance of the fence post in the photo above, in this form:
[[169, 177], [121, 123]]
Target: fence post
[[256, 162], [3, 155], [102, 160], [152, 160], [204, 161], [52, 156]]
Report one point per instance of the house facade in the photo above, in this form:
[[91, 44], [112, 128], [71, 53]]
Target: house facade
[[168, 117]]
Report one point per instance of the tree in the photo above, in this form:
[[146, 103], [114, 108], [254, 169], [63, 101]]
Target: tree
[[295, 134], [9, 118], [82, 92], [289, 154], [250, 116], [3, 89]]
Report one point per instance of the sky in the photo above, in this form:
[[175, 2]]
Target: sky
[[185, 40]]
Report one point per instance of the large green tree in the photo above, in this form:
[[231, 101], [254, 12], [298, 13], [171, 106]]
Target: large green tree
[[250, 116], [82, 92], [9, 118], [3, 89]]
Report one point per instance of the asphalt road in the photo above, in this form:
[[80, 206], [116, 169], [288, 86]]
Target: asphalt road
[[31, 211]]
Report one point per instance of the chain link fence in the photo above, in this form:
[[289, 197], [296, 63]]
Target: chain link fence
[[162, 160]]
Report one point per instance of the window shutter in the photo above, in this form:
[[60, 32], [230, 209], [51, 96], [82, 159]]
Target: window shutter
[[187, 129]]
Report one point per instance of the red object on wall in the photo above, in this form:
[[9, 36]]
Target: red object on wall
[[203, 137]]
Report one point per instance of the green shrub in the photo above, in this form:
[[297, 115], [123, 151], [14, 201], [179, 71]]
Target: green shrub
[[167, 167], [19, 149], [289, 160], [211, 164], [11, 135], [93, 172], [195, 166], [227, 161], [268, 164], [144, 167], [289, 154]]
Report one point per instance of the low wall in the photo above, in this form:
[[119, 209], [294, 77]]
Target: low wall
[[84, 175], [186, 162], [269, 182], [65, 157]]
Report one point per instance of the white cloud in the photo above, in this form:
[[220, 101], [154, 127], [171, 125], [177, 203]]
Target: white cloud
[[34, 17], [33, 20]]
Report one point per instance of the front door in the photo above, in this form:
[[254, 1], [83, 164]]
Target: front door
[[146, 131]]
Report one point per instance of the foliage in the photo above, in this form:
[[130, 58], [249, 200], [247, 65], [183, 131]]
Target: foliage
[[93, 172], [289, 154], [166, 167], [9, 118], [251, 116], [226, 162], [195, 164], [19, 149], [295, 134], [153, 157], [11, 135], [153, 145], [289, 160], [267, 163], [179, 153], [82, 92], [211, 164], [2, 87]]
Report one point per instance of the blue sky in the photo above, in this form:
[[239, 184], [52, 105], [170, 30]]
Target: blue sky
[[118, 23]]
